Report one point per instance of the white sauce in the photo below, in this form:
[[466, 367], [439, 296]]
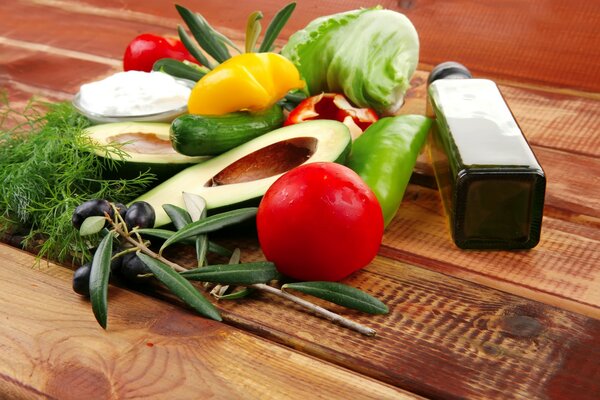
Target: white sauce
[[134, 93]]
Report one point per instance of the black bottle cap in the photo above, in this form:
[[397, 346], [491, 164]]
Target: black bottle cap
[[448, 70]]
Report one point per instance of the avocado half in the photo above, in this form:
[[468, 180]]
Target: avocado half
[[142, 146], [243, 174]]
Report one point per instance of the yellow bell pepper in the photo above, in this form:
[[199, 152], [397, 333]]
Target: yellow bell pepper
[[249, 81]]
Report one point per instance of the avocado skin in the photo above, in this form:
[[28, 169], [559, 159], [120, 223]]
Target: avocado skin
[[115, 169]]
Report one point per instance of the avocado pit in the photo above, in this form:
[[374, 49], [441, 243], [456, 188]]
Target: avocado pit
[[268, 161]]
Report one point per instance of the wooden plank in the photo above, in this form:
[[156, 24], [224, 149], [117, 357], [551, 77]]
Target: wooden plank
[[548, 119], [553, 43], [52, 347], [91, 33], [28, 72], [571, 196], [444, 337], [562, 270]]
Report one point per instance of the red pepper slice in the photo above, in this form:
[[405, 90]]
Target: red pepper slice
[[333, 106]]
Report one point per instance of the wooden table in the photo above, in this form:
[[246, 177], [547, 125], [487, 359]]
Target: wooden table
[[463, 324]]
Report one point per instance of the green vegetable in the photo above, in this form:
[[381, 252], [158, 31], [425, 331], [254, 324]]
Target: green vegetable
[[385, 155], [145, 146], [203, 135], [47, 168], [240, 176], [368, 54]]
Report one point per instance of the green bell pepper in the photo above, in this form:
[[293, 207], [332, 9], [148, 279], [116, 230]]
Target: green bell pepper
[[384, 157]]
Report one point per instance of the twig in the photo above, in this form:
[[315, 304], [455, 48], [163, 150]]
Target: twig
[[145, 249], [331, 316], [345, 322]]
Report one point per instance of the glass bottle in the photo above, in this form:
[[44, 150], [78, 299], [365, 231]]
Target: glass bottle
[[491, 184]]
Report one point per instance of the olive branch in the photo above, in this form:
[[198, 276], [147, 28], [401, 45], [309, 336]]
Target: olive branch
[[234, 280]]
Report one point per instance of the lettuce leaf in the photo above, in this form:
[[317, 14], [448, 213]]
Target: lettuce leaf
[[367, 54]]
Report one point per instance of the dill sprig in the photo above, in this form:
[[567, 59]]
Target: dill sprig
[[47, 168]]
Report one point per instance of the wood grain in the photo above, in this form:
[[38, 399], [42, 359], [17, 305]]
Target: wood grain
[[557, 125], [51, 347], [444, 337], [550, 43]]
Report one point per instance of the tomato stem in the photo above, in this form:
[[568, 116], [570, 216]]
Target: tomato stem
[[331, 316]]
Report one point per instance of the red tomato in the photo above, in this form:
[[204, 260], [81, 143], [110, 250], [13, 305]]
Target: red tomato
[[146, 49], [318, 222]]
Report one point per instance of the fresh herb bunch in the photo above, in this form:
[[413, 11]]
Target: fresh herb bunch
[[232, 281], [47, 168]]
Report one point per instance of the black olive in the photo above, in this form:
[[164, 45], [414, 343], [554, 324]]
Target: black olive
[[90, 208], [116, 263], [81, 280], [122, 209], [132, 266], [140, 214]]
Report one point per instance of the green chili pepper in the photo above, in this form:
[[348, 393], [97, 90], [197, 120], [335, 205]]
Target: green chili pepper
[[385, 154]]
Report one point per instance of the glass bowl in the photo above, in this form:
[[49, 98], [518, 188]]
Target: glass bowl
[[163, 116]]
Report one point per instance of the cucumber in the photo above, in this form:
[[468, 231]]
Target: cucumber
[[204, 135]]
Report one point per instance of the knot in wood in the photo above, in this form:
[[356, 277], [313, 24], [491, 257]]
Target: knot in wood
[[521, 326]]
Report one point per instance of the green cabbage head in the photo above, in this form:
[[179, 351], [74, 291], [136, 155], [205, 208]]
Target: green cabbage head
[[368, 54]]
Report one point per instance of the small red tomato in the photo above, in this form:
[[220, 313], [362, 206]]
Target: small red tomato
[[319, 222], [333, 106], [146, 49]]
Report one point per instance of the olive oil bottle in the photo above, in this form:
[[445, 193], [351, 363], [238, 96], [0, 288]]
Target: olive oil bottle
[[491, 183]]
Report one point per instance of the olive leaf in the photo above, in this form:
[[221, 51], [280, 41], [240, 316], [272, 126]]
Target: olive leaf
[[201, 249], [239, 294], [92, 225], [343, 295], [218, 249], [193, 49], [211, 224], [196, 206], [178, 216], [208, 38], [234, 274], [178, 69], [180, 287], [165, 234], [275, 27], [99, 275], [253, 29]]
